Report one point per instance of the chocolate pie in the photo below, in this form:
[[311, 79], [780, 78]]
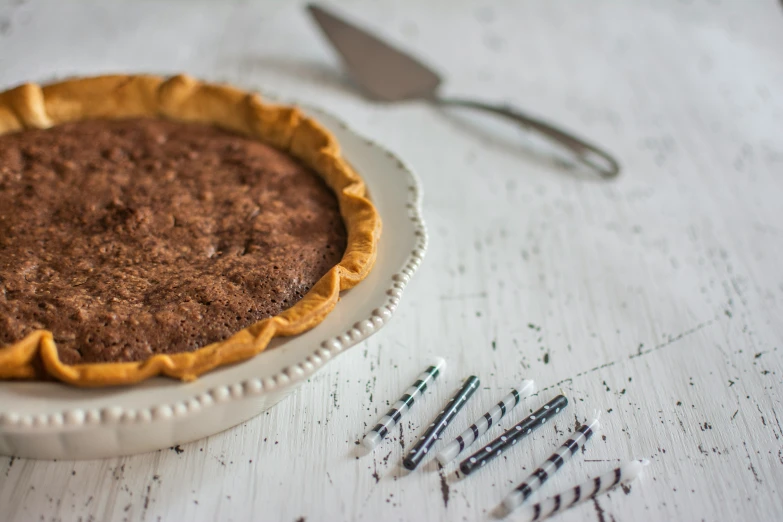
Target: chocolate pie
[[152, 226]]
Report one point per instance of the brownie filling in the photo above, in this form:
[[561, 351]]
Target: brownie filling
[[135, 237]]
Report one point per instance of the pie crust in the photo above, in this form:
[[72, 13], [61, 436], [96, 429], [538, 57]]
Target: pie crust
[[186, 99]]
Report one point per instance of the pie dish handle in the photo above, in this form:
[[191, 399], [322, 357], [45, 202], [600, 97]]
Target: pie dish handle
[[586, 153]]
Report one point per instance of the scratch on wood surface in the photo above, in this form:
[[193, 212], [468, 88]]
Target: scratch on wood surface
[[599, 511], [672, 340], [444, 486], [375, 470], [334, 393], [640, 353], [777, 421], [751, 467]]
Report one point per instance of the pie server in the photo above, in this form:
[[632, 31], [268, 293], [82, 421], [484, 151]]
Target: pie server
[[387, 74]]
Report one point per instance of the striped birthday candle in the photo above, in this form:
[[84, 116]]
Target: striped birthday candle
[[513, 435], [563, 454], [483, 423], [447, 414], [585, 491], [401, 407]]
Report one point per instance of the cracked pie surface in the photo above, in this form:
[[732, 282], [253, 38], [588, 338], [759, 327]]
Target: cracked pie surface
[[152, 226]]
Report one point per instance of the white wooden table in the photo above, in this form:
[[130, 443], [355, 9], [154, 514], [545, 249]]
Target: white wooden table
[[657, 298]]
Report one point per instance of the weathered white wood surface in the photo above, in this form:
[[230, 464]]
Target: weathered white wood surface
[[656, 298]]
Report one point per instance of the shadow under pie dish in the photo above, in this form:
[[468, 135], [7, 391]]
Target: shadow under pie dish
[[166, 227]]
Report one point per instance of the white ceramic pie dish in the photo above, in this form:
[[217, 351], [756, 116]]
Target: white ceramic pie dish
[[56, 421]]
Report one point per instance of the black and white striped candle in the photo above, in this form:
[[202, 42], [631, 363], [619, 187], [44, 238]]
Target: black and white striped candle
[[590, 489], [455, 404], [513, 435], [563, 454], [483, 423], [401, 407]]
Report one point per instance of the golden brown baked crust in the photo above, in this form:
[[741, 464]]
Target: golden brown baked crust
[[185, 99]]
